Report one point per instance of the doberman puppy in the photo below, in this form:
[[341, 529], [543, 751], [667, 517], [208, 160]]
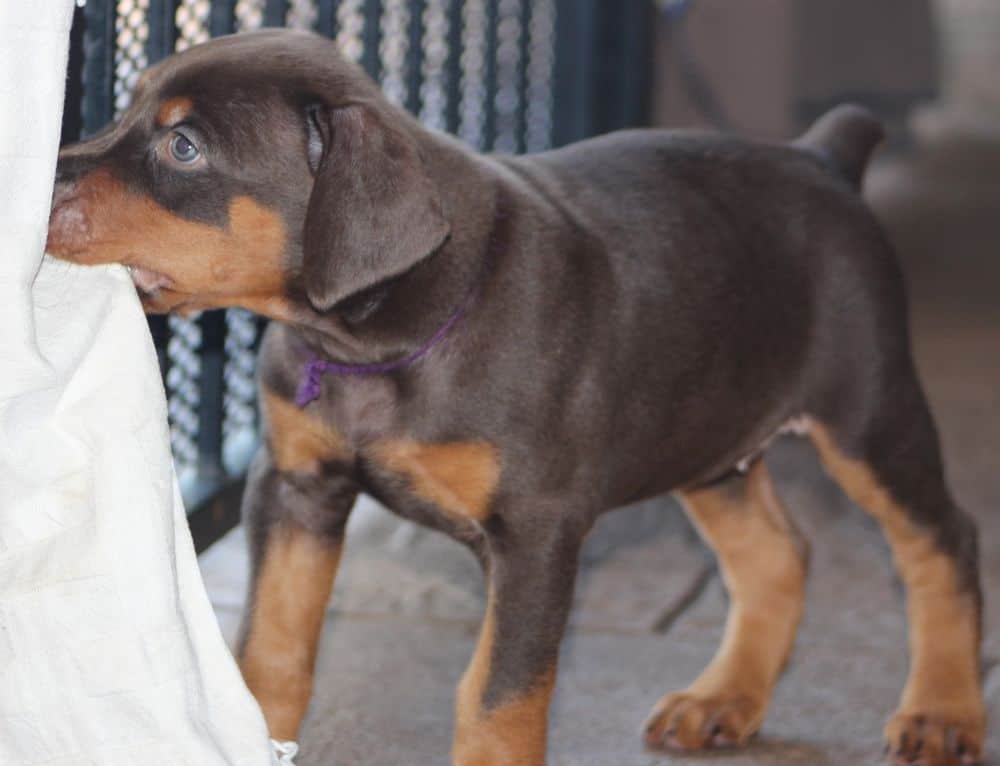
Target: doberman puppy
[[503, 348]]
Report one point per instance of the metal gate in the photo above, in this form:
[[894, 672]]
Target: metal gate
[[504, 75]]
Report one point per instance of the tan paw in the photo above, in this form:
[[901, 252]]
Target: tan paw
[[686, 721], [912, 739]]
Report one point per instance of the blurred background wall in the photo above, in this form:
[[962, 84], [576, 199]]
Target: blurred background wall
[[969, 47], [768, 67]]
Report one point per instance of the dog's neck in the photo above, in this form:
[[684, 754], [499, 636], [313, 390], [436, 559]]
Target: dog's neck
[[392, 319]]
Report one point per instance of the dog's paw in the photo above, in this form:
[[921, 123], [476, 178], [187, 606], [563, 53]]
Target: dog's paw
[[912, 739], [688, 721]]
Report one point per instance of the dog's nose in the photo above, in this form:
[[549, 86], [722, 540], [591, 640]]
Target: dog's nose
[[67, 220], [72, 201]]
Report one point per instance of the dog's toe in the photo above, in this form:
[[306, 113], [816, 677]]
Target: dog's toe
[[930, 740], [686, 721]]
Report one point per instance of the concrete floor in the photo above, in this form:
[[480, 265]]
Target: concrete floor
[[650, 609]]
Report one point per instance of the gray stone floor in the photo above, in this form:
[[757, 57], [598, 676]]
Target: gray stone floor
[[650, 609]]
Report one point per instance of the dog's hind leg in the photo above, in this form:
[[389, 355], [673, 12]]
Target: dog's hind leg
[[884, 453], [763, 563]]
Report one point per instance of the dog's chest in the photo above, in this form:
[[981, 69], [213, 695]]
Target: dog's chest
[[362, 431], [456, 478]]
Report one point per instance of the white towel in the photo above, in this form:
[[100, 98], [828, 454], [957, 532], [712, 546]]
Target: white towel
[[110, 654]]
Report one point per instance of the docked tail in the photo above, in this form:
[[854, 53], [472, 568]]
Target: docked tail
[[844, 138]]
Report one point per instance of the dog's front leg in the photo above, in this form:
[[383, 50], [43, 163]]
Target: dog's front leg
[[503, 699], [295, 522]]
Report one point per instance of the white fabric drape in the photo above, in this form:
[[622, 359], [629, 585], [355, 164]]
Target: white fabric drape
[[110, 654]]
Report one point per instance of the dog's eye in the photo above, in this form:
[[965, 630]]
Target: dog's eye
[[182, 149]]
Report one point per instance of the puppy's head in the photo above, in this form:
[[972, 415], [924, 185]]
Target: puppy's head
[[259, 170]]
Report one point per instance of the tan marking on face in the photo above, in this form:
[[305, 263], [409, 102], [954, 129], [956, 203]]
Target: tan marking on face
[[299, 442], [279, 651], [458, 477], [943, 616], [511, 734], [763, 562], [174, 110], [206, 266]]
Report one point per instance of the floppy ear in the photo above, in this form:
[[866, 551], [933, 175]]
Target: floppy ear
[[374, 211]]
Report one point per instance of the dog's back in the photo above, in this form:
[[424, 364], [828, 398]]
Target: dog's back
[[714, 262]]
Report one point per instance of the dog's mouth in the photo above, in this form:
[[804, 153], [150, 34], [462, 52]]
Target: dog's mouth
[[147, 281], [158, 293]]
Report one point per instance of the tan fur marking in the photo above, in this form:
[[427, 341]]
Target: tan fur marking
[[512, 734], [943, 619], [174, 110], [458, 477], [242, 264], [299, 442], [279, 654], [763, 563]]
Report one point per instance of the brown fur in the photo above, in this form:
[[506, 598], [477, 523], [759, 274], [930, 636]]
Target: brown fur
[[174, 110], [299, 442], [513, 733], [241, 265], [459, 477], [286, 615]]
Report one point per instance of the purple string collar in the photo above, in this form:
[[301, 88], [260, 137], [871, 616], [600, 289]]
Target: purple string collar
[[315, 368]]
